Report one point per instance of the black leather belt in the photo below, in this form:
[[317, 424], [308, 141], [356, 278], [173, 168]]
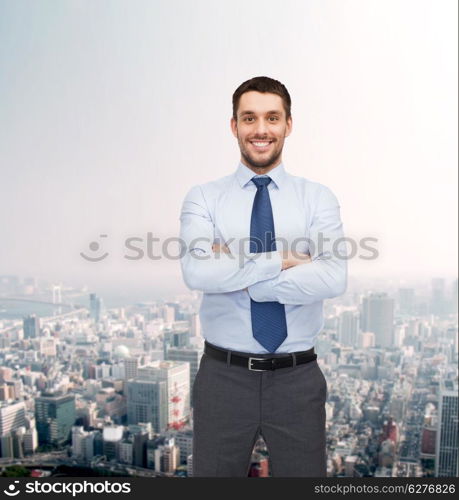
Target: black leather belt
[[256, 362]]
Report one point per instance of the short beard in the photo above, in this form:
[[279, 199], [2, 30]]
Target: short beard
[[261, 164]]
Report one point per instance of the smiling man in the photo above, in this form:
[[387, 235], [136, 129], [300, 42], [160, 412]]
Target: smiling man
[[265, 248], [261, 141]]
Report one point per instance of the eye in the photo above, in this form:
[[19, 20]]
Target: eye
[[248, 118], [273, 118]]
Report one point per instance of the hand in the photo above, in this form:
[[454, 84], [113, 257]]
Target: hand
[[217, 248], [292, 259]]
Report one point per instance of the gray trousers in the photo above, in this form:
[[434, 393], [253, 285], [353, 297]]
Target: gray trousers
[[232, 406]]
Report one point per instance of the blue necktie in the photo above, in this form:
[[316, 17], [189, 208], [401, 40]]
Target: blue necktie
[[269, 325]]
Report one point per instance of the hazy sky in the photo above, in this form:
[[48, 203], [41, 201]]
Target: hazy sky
[[111, 110]]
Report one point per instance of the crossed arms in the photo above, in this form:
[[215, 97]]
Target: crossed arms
[[279, 276]]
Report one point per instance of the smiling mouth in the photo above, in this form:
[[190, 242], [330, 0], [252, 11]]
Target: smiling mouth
[[261, 145]]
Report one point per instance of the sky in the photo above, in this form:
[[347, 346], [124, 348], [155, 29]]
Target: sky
[[111, 110]]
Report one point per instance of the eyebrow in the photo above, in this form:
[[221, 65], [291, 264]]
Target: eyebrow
[[272, 112]]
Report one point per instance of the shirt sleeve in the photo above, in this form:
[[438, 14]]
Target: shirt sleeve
[[325, 276], [210, 272]]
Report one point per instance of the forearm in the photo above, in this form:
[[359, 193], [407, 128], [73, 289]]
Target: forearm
[[207, 269], [304, 284], [325, 276], [223, 272]]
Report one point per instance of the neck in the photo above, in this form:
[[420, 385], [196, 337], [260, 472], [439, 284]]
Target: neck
[[261, 170]]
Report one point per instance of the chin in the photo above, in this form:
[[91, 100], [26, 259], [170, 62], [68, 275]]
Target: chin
[[261, 163]]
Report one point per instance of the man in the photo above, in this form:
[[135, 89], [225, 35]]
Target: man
[[265, 248]]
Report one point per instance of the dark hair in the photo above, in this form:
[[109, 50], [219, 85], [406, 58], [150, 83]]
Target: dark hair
[[263, 84]]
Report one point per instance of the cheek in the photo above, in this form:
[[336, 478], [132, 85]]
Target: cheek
[[243, 137]]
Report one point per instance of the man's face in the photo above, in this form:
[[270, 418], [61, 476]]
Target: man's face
[[261, 128]]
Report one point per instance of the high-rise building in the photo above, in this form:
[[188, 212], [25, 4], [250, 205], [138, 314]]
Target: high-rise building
[[366, 340], [348, 327], [195, 326], [130, 367], [406, 301], [55, 415], [147, 402], [177, 377], [12, 416], [95, 307], [390, 431], [78, 438], [6, 446], [98, 443], [139, 453], [31, 326], [89, 445], [30, 441], [438, 299], [152, 446], [188, 355], [167, 457], [176, 338], [167, 313], [112, 436], [378, 317], [428, 439], [126, 451], [447, 446], [83, 443], [454, 296], [184, 440]]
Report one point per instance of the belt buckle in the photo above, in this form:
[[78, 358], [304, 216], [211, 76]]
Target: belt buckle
[[255, 369]]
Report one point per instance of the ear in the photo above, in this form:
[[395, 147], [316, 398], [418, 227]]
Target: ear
[[289, 126], [233, 124]]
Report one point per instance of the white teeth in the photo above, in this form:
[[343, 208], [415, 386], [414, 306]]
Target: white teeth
[[260, 144]]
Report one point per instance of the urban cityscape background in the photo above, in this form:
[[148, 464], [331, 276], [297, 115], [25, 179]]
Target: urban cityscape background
[[111, 111], [88, 389]]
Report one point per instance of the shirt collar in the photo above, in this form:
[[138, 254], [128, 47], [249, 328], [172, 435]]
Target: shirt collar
[[244, 175]]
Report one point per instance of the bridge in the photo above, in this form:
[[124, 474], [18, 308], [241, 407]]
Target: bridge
[[36, 301], [73, 312]]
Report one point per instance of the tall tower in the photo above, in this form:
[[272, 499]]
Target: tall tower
[[447, 449], [348, 327], [57, 296], [31, 325], [95, 307], [378, 317]]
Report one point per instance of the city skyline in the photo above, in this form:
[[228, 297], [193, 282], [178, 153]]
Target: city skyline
[[111, 387]]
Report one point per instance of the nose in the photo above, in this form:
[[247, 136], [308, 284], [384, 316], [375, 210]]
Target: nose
[[261, 128]]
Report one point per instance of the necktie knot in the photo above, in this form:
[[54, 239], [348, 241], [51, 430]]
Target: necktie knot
[[261, 182]]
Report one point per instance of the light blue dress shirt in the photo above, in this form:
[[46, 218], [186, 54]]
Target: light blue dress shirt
[[306, 219]]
